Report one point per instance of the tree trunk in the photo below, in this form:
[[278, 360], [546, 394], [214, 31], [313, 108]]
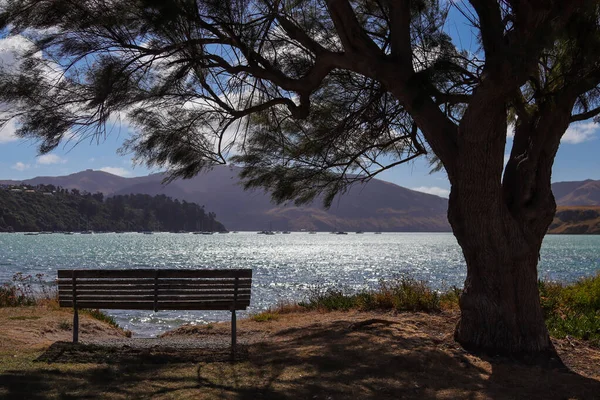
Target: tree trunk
[[500, 305], [500, 225]]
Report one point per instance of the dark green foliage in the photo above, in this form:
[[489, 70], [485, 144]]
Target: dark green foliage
[[572, 309], [47, 208]]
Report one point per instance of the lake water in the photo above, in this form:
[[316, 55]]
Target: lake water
[[285, 266]]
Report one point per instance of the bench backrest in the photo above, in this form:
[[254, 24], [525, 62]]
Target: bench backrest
[[155, 289]]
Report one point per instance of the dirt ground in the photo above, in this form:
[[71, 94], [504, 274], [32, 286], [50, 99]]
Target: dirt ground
[[337, 355]]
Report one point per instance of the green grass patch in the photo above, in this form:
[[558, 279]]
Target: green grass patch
[[572, 310]]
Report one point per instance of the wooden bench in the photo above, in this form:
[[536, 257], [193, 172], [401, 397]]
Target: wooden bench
[[155, 289]]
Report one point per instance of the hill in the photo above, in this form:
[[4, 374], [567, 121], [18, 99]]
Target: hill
[[47, 208], [578, 193], [377, 205], [576, 220]]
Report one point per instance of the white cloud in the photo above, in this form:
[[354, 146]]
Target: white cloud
[[435, 190], [47, 159], [12, 49], [92, 159], [7, 133], [510, 131], [19, 166], [579, 133], [116, 171]]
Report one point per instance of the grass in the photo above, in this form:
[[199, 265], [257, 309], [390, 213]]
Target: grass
[[309, 355], [65, 325], [23, 318], [401, 294], [574, 309], [100, 316], [12, 296], [265, 316], [27, 290], [569, 309]]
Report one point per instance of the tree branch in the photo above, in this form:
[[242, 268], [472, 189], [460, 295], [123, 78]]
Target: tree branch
[[585, 115], [354, 38]]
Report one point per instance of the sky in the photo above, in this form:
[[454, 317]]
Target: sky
[[577, 159]]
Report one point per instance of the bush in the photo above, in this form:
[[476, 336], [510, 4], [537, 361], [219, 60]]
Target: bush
[[12, 296], [402, 294], [24, 290]]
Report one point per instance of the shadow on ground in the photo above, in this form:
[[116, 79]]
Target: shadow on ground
[[376, 359], [66, 352]]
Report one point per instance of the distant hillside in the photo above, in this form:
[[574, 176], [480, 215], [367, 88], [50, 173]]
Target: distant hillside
[[377, 205], [47, 208], [576, 220], [578, 193]]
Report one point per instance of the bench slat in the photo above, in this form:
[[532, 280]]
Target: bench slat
[[151, 287], [151, 273], [148, 281], [109, 293], [65, 293], [149, 305], [246, 285], [159, 300]]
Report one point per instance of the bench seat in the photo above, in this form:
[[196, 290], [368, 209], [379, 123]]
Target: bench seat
[[155, 289]]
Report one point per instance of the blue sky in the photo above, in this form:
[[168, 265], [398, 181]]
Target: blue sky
[[577, 158]]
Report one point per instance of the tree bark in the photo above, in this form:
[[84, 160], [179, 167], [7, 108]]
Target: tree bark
[[500, 226], [500, 304]]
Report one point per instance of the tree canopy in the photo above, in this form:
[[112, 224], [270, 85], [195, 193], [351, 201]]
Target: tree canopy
[[293, 90]]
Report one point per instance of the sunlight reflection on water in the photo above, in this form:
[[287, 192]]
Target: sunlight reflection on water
[[285, 266]]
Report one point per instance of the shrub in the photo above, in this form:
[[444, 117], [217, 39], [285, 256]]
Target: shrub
[[401, 294]]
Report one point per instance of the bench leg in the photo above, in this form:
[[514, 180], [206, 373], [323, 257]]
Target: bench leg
[[233, 335], [75, 326]]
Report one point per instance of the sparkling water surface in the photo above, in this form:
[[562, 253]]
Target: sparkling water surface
[[285, 267]]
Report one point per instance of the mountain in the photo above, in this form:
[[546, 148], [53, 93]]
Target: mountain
[[89, 180], [377, 205], [579, 193]]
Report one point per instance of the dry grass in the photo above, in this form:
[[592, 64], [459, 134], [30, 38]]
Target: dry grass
[[307, 355]]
